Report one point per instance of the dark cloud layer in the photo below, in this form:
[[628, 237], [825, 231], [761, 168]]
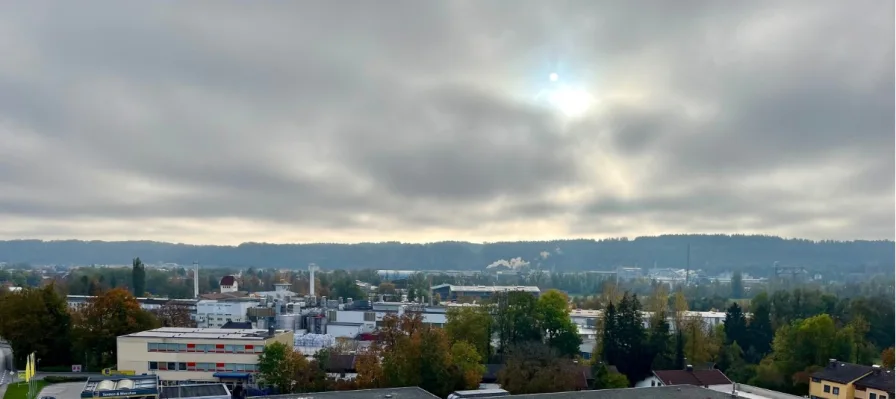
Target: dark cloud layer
[[354, 121]]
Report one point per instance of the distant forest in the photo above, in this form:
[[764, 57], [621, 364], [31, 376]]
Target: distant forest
[[713, 253]]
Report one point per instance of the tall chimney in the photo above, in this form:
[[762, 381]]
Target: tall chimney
[[311, 268], [196, 280]]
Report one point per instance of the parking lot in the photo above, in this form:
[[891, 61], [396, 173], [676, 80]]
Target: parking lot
[[65, 390]]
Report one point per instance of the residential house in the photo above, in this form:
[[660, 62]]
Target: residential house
[[877, 385], [836, 380]]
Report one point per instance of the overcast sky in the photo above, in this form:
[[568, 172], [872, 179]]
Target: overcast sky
[[346, 121]]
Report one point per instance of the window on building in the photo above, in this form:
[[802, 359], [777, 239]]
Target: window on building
[[816, 379], [229, 349], [827, 389], [182, 366], [331, 315], [369, 316], [872, 395], [153, 365], [172, 366], [259, 349], [836, 390]]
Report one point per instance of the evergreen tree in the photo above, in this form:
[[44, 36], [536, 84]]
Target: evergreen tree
[[759, 330], [632, 358], [659, 343], [737, 285], [138, 278], [735, 324], [609, 340], [679, 351]]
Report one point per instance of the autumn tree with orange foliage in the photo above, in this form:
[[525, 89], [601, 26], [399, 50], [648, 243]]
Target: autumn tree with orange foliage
[[97, 325], [887, 358], [410, 353], [174, 314]]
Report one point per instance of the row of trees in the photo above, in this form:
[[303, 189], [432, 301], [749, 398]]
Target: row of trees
[[777, 347], [39, 320]]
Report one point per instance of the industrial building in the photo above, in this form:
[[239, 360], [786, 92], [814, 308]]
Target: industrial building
[[448, 292], [197, 354], [216, 313]]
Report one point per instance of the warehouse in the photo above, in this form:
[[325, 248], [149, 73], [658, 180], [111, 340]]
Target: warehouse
[[197, 354]]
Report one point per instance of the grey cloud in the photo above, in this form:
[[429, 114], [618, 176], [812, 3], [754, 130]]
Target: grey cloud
[[412, 115]]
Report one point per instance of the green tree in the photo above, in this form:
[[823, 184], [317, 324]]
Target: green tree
[[659, 342], [759, 330], [533, 367], [272, 367], [37, 320], [605, 379], [138, 278], [735, 325], [624, 339], [471, 324], [737, 285], [516, 318], [679, 351], [345, 287], [557, 328]]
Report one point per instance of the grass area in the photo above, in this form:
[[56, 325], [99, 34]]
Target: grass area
[[19, 390]]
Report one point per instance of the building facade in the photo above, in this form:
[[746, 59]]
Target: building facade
[[197, 354], [448, 292], [216, 313]]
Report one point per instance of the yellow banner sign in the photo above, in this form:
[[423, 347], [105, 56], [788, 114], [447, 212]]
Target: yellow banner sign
[[110, 372]]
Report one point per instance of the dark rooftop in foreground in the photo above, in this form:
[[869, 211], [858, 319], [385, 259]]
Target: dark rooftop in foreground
[[667, 392], [692, 377], [194, 391], [842, 372], [396, 393], [881, 379]]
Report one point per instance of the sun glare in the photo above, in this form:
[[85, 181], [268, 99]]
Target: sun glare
[[571, 102]]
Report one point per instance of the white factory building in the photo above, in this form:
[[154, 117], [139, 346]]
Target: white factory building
[[196, 354], [216, 313]]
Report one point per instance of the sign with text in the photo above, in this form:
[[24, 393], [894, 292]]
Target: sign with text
[[76, 368]]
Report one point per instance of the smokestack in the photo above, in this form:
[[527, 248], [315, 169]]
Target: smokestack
[[311, 269], [196, 280]]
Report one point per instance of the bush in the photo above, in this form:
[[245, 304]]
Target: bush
[[55, 379]]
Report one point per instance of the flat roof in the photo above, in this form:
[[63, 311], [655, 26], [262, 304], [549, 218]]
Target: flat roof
[[490, 288], [195, 391], [205, 333], [393, 393], [666, 392]]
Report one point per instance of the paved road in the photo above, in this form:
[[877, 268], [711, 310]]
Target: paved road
[[65, 390]]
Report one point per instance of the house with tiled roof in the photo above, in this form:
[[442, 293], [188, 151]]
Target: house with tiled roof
[[837, 380], [877, 385]]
